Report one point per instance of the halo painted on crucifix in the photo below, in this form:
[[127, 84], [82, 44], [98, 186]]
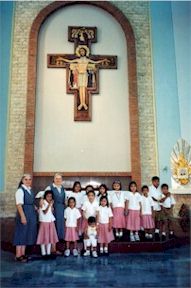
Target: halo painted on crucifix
[[82, 68]]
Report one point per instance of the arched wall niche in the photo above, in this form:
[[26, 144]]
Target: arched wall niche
[[135, 172]]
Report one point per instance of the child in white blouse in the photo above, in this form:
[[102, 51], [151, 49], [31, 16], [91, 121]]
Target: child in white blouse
[[105, 235], [147, 217], [79, 196], [72, 217], [133, 211], [47, 234], [118, 199]]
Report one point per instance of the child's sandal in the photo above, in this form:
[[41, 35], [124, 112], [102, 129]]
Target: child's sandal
[[27, 257], [21, 259]]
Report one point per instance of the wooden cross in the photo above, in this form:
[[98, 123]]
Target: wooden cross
[[82, 69]]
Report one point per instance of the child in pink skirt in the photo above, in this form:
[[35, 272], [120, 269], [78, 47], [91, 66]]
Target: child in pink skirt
[[147, 221], [133, 209], [72, 216], [117, 201], [105, 235], [78, 195], [47, 232]]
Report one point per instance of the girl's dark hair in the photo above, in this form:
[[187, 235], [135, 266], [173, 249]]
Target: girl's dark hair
[[144, 187], [104, 197], [155, 178], [91, 220], [105, 187], [75, 184], [71, 198], [48, 192], [131, 183], [117, 182], [89, 186], [164, 185], [90, 191]]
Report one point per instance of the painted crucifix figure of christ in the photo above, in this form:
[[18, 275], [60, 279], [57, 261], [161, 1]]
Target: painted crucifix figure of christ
[[82, 69]]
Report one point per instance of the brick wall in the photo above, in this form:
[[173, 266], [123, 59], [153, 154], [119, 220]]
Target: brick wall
[[25, 13]]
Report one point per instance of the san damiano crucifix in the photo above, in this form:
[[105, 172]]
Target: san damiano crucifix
[[82, 69]]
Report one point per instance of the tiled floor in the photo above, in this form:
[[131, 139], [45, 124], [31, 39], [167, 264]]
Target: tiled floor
[[164, 269]]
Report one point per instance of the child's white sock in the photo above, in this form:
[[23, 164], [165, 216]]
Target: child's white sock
[[164, 233], [85, 244], [48, 248], [43, 249], [101, 249], [171, 232], [146, 235], [105, 249], [150, 236], [156, 230]]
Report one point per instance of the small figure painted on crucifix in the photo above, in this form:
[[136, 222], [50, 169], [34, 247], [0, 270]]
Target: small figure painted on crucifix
[[80, 68]]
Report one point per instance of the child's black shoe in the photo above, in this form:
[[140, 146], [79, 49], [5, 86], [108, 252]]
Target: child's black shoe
[[157, 237], [172, 236], [45, 257], [163, 237]]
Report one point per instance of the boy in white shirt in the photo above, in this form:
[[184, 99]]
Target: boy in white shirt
[[155, 193], [90, 235], [167, 202], [89, 208]]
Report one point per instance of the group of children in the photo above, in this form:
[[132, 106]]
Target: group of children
[[97, 216]]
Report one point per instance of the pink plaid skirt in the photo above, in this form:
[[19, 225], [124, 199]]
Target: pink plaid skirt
[[71, 234], [104, 235], [133, 220], [47, 233], [147, 222], [118, 217]]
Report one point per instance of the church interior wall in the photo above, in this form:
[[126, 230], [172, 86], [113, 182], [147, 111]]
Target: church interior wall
[[54, 115]]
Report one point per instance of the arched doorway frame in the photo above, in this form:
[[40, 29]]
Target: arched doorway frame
[[135, 172]]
